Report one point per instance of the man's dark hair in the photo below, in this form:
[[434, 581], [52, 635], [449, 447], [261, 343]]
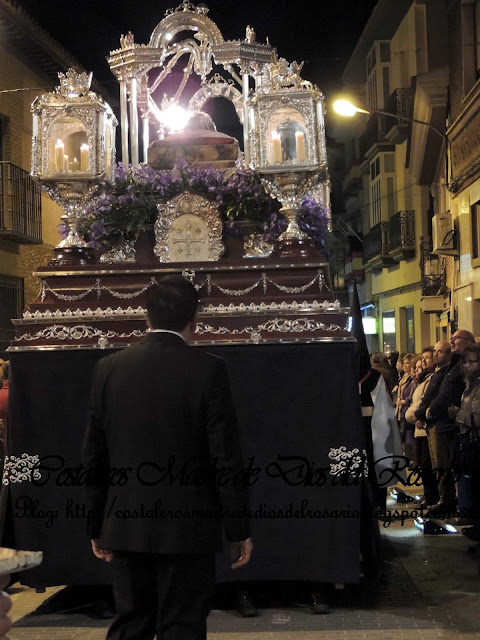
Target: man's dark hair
[[171, 303], [6, 370]]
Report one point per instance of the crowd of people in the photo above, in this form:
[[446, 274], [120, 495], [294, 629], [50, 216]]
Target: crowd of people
[[436, 395]]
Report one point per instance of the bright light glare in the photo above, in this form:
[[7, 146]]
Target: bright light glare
[[388, 325], [174, 118], [168, 37], [346, 108], [369, 326]]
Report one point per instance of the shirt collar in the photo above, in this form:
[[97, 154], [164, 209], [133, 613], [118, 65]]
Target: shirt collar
[[175, 333]]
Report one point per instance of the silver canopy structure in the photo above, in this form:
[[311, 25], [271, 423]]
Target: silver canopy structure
[[141, 69]]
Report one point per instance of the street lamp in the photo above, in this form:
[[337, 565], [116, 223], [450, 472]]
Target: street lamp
[[346, 108]]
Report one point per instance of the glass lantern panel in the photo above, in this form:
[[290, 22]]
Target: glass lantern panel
[[68, 146], [287, 137]]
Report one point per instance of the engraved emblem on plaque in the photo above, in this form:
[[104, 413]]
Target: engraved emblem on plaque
[[188, 229]]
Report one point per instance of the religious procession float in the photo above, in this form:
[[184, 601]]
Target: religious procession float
[[247, 228]]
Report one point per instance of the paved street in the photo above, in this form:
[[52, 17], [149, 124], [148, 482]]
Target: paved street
[[431, 589]]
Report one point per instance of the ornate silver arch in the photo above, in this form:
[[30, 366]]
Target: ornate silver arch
[[186, 17], [218, 87], [133, 63]]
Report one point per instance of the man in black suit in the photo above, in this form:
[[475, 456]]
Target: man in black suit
[[435, 488], [163, 453], [445, 389]]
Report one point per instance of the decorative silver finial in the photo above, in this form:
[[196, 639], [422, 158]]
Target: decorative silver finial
[[73, 83], [250, 34], [127, 41]]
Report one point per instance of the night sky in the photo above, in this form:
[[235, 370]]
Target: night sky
[[321, 33]]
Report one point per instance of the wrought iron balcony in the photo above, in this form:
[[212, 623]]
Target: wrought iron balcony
[[376, 248], [434, 284], [402, 235], [373, 134], [389, 130], [20, 206], [401, 103], [12, 297], [434, 279]]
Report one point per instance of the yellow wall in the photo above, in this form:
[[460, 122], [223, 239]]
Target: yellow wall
[[408, 48]]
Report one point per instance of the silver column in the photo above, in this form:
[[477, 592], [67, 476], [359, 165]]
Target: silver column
[[124, 121], [246, 144], [134, 122], [146, 137]]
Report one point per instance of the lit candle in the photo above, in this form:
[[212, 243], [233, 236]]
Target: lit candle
[[276, 148], [59, 153], [300, 146], [84, 151], [65, 162], [74, 166]]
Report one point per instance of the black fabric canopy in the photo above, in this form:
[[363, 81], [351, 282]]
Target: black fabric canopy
[[297, 406]]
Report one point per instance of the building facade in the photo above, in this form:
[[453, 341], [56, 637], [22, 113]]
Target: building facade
[[395, 173], [29, 64], [463, 200]]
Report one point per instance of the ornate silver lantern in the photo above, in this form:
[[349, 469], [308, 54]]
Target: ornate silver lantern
[[73, 150], [287, 145]]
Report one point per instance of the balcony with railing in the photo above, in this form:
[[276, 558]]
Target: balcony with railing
[[12, 302], [433, 279], [374, 133], [376, 248], [400, 102], [402, 235], [388, 130], [20, 206]]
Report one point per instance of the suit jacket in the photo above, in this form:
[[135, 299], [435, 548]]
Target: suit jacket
[[432, 390], [162, 451], [441, 396]]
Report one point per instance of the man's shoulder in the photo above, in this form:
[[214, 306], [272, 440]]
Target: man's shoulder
[[440, 373], [140, 350], [455, 371], [204, 357], [119, 358]]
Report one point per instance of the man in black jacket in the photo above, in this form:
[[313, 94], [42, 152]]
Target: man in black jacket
[[163, 450], [445, 389]]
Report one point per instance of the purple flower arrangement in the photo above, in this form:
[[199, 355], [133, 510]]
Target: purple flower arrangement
[[127, 205], [313, 221]]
